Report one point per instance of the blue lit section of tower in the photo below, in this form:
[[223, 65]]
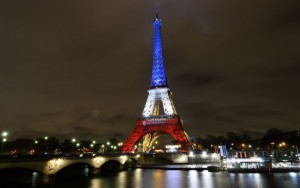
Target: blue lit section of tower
[[159, 78]]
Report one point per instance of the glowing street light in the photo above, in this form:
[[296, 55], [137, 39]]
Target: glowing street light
[[4, 134], [94, 142], [204, 154], [120, 144], [73, 140], [108, 143], [36, 142], [46, 137], [191, 154]]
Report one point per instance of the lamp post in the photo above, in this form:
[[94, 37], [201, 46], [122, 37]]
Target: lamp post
[[4, 139]]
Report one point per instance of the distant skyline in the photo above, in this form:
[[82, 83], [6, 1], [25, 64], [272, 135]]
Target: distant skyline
[[82, 69]]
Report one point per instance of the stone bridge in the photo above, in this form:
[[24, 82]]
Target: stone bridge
[[53, 165]]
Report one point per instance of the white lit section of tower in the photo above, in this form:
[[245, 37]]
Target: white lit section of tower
[[159, 93]]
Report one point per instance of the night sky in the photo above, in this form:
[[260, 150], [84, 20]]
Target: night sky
[[82, 68]]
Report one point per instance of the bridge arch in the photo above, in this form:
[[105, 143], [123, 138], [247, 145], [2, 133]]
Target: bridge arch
[[111, 166], [82, 168], [130, 162]]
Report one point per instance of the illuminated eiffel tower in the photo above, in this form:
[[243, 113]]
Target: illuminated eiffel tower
[[159, 115]]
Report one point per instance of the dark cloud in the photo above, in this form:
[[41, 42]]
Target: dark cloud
[[83, 68]]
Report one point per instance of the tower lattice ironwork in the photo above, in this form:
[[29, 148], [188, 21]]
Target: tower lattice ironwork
[[159, 115]]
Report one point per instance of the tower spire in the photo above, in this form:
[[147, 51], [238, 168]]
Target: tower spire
[[159, 78]]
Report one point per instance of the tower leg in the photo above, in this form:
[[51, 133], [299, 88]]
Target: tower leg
[[133, 138]]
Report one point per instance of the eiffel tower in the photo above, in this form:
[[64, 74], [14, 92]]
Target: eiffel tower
[[159, 116]]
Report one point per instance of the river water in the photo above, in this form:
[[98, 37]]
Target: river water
[[154, 178], [150, 178]]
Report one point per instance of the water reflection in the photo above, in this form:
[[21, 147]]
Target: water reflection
[[158, 178], [257, 180], [95, 183], [207, 180], [193, 178], [295, 178], [34, 180], [137, 178], [173, 178], [122, 179]]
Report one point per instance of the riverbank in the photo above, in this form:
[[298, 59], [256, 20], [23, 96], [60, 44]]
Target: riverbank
[[198, 167], [262, 170]]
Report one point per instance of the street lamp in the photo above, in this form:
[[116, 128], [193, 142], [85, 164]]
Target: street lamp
[[4, 134], [4, 139]]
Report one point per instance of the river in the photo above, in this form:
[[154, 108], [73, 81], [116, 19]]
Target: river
[[153, 178], [150, 178]]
